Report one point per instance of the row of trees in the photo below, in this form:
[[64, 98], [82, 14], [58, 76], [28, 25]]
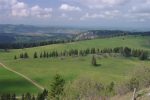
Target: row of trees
[[125, 51], [7, 46], [27, 96]]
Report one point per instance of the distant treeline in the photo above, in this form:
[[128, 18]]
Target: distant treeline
[[124, 51], [26, 96], [101, 34], [7, 46], [116, 32]]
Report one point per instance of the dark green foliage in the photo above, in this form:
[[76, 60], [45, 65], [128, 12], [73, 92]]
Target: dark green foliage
[[15, 57], [28, 96], [33, 97], [14, 97], [23, 97], [42, 96], [57, 87], [35, 55], [41, 55], [26, 55], [143, 56], [110, 89], [94, 63], [8, 97], [127, 52], [133, 83], [21, 55], [44, 54]]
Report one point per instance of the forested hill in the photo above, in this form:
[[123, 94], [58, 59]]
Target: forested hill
[[90, 34], [33, 34]]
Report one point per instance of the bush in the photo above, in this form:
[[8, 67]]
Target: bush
[[87, 89], [140, 79]]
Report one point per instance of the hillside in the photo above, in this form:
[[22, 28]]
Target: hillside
[[113, 67]]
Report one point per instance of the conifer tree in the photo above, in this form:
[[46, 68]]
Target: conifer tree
[[15, 57], [57, 87], [94, 63], [35, 55]]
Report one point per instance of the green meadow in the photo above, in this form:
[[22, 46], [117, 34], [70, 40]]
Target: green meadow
[[113, 68]]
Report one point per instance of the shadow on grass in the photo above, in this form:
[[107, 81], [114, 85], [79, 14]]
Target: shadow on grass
[[97, 65], [16, 86]]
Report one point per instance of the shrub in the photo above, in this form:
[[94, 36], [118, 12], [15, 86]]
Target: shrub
[[140, 79], [86, 89]]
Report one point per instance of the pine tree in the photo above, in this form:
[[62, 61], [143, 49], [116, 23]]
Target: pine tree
[[25, 55], [127, 52], [44, 55], [28, 96], [41, 55], [21, 55], [15, 57], [14, 97], [35, 55], [33, 97], [23, 97], [94, 63], [57, 87], [144, 56]]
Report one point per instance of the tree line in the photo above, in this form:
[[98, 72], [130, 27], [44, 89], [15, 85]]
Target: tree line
[[26, 96], [7, 46], [124, 51]]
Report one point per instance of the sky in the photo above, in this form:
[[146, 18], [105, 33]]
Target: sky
[[90, 13]]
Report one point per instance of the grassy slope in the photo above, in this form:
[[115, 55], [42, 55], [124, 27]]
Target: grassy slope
[[12, 83], [112, 69]]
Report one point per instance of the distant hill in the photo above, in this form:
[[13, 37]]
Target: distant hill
[[90, 34], [29, 33]]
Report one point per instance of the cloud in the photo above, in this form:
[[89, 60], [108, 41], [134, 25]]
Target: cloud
[[41, 12], [140, 12], [94, 4], [16, 8], [66, 7], [20, 9], [102, 15]]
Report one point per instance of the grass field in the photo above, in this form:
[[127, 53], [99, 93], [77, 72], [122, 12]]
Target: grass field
[[43, 70]]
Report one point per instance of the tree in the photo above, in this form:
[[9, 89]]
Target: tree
[[35, 55], [41, 55], [23, 97], [94, 63], [33, 97], [143, 56], [26, 55], [57, 87], [14, 97], [127, 52], [21, 55], [28, 96], [15, 57]]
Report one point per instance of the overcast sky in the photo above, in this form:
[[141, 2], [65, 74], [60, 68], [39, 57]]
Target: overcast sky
[[115, 13]]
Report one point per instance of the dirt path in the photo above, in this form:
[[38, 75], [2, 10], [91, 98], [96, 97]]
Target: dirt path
[[25, 77]]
